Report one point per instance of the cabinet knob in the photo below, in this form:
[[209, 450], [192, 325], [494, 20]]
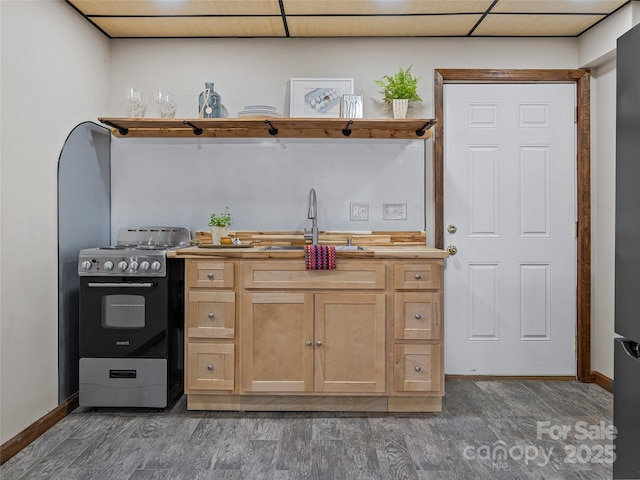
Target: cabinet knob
[[309, 343], [211, 315], [418, 276], [210, 275], [319, 343], [418, 316], [210, 367], [418, 369]]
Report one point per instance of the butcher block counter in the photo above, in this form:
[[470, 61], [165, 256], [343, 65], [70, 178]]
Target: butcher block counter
[[264, 333]]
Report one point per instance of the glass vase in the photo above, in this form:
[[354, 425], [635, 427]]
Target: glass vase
[[209, 102]]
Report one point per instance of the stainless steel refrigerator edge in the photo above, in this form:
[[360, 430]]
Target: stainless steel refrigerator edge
[[626, 410]]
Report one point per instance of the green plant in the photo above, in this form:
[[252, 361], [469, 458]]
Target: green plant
[[221, 220], [402, 85]]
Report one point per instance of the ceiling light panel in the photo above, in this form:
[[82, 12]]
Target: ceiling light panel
[[160, 27], [173, 7], [508, 25], [382, 26], [559, 6], [383, 7]]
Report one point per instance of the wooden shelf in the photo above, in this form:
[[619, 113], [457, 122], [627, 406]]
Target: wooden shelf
[[263, 127]]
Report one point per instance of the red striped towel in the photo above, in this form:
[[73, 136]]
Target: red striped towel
[[319, 257]]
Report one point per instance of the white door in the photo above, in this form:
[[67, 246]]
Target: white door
[[509, 194]]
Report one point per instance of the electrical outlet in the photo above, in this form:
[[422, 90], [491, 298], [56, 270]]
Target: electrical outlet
[[359, 211], [394, 211]]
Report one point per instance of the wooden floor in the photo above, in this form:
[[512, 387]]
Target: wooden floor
[[481, 420]]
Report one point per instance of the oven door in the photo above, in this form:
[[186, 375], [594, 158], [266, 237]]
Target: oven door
[[123, 317]]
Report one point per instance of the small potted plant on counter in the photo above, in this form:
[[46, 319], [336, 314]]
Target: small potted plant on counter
[[220, 224], [399, 90]]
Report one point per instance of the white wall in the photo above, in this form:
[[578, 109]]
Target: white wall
[[55, 70], [603, 175]]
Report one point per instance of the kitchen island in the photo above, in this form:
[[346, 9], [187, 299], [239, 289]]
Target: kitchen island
[[264, 333]]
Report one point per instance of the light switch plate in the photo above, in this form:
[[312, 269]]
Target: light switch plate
[[359, 211], [394, 211]]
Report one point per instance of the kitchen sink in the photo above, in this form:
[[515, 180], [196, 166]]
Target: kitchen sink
[[339, 248]]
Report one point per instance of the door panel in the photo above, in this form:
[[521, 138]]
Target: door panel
[[509, 188]]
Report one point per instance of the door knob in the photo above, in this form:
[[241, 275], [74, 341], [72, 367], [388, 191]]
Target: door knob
[[452, 229], [452, 249]]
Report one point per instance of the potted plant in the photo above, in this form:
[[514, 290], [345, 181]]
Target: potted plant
[[220, 224], [399, 90]]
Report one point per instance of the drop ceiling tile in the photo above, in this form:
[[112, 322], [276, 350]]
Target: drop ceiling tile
[[383, 7], [381, 26], [557, 6], [150, 27], [182, 7], [515, 25]]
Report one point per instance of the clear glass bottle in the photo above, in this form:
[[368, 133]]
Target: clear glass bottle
[[209, 105]]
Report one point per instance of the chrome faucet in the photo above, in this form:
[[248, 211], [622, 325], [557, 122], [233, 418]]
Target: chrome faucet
[[313, 216]]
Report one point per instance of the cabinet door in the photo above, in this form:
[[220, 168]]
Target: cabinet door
[[209, 274], [417, 316], [350, 343], [210, 366], [276, 340], [211, 314], [417, 368]]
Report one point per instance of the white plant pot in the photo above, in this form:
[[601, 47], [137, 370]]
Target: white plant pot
[[217, 233], [400, 107]]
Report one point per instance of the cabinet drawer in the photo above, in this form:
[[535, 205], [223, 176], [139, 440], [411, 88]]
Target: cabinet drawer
[[211, 314], [210, 366], [210, 274], [417, 316], [417, 276], [278, 274], [417, 368]]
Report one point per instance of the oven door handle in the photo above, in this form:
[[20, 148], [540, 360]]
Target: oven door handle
[[120, 285]]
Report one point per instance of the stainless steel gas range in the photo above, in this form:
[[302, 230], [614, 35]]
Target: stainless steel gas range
[[131, 317]]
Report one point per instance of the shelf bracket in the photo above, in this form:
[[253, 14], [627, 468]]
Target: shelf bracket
[[122, 130], [196, 130], [272, 130], [426, 127], [346, 131]]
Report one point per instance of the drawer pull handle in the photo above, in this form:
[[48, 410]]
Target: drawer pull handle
[[418, 276], [418, 316], [210, 367], [309, 343], [418, 369], [319, 343], [211, 315], [210, 275]]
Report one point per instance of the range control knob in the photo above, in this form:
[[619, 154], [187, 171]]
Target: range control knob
[[122, 265], [108, 265], [134, 265], [156, 266], [86, 265], [145, 265]]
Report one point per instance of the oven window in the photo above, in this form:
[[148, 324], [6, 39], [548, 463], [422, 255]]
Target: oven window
[[123, 311]]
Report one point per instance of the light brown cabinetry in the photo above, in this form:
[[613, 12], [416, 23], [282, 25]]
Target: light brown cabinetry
[[294, 341], [267, 334], [417, 327], [210, 318]]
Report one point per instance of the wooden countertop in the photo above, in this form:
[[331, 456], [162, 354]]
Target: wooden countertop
[[260, 252]]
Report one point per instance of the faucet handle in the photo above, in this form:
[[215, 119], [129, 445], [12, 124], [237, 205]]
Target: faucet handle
[[308, 234], [349, 241]]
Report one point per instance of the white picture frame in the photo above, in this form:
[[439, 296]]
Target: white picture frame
[[317, 97]]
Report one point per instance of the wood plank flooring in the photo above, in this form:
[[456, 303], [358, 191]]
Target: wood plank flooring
[[487, 430]]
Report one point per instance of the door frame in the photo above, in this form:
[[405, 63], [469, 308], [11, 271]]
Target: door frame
[[581, 78]]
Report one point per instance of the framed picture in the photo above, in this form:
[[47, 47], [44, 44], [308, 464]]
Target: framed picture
[[318, 97]]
